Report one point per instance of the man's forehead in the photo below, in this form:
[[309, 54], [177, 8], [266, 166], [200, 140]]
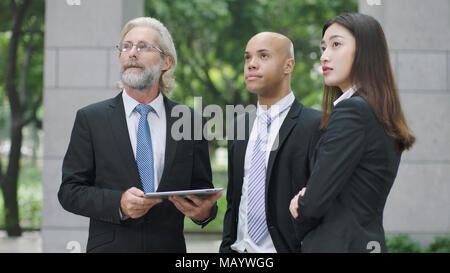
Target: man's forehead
[[257, 49], [143, 33]]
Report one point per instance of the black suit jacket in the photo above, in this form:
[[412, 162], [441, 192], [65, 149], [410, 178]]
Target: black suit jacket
[[355, 167], [288, 170], [99, 166]]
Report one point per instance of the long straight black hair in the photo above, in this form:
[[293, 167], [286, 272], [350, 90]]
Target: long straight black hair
[[372, 75]]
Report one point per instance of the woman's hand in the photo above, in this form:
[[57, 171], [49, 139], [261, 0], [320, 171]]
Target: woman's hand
[[293, 208]]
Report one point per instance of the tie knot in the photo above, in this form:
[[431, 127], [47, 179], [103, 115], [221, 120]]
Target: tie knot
[[265, 119], [143, 109]]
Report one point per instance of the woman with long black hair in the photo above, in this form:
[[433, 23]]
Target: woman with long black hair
[[365, 133]]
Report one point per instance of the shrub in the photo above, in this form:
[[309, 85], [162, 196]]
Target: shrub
[[440, 245], [402, 244]]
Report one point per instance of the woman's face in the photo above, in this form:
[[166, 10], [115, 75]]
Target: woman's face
[[338, 52]]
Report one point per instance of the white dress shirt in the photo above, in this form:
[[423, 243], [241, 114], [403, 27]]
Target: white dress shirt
[[243, 242], [157, 122], [346, 95]]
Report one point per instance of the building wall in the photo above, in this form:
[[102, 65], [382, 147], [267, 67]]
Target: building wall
[[80, 67], [418, 36]]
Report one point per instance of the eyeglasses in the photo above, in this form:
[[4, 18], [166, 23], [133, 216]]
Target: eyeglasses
[[140, 46]]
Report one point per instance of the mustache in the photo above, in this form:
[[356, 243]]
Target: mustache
[[132, 63]]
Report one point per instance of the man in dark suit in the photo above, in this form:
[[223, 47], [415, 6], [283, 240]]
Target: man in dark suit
[[124, 147], [272, 162]]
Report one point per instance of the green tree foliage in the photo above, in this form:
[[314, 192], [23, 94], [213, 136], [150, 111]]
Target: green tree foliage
[[21, 55]]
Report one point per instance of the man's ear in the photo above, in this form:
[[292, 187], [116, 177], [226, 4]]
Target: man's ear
[[167, 63], [289, 65]]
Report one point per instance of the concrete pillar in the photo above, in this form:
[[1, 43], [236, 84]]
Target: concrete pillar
[[81, 67], [418, 36]]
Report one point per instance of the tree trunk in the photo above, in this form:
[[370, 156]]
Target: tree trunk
[[9, 186], [10, 180]]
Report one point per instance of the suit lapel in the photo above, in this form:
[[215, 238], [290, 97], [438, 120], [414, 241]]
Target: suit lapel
[[119, 130], [288, 124], [171, 144]]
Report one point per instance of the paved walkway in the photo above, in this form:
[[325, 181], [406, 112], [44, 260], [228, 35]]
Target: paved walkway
[[31, 242]]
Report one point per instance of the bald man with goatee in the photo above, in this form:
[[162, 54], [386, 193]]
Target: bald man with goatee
[[273, 162]]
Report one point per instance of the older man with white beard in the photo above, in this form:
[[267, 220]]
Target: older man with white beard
[[120, 149]]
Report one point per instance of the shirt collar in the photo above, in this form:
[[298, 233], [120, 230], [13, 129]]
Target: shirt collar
[[275, 109], [129, 103], [346, 95]]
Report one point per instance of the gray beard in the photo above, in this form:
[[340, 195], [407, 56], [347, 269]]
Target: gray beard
[[140, 80]]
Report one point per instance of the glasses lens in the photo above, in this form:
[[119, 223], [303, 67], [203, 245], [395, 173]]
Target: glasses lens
[[125, 46], [142, 46]]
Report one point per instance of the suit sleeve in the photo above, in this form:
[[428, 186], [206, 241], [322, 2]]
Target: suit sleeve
[[78, 193], [227, 240], [339, 153], [303, 225]]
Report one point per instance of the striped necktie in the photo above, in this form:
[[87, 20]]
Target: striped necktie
[[256, 211]]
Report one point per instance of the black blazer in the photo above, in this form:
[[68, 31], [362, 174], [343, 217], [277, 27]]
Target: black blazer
[[355, 167], [288, 170], [99, 166]]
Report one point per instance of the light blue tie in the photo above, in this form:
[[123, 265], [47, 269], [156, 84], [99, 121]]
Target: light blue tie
[[256, 211], [144, 150]]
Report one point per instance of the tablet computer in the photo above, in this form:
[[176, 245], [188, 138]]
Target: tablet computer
[[202, 193]]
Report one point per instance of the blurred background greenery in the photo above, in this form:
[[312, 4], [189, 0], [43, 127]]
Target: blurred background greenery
[[210, 37]]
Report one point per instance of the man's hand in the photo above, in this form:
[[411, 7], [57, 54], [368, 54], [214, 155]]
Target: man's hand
[[135, 205], [199, 209], [293, 208]]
